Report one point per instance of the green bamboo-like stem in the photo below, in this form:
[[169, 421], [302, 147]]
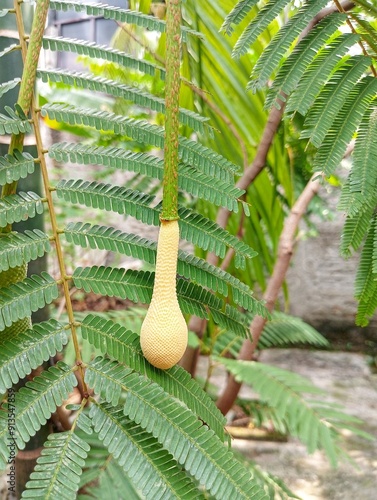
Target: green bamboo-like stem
[[172, 88]]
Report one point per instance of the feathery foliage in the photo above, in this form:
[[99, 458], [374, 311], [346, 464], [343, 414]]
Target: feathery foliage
[[156, 433], [173, 425], [24, 353], [325, 73], [58, 469], [284, 391], [124, 346]]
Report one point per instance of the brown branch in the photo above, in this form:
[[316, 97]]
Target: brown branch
[[285, 252], [258, 165]]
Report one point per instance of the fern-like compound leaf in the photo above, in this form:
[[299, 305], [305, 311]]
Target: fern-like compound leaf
[[6, 86], [138, 286], [366, 278], [16, 166], [90, 49], [28, 350], [281, 330], [110, 198], [363, 174], [295, 65], [124, 345], [191, 180], [314, 422], [189, 266], [33, 407], [196, 448], [318, 72], [152, 469], [58, 469], [194, 227], [275, 51], [237, 14], [10, 49], [14, 123], [17, 248], [19, 300], [354, 230], [258, 24], [346, 122], [332, 97], [18, 207], [120, 15], [133, 94], [190, 152]]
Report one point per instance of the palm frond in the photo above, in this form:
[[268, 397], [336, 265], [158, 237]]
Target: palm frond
[[20, 206], [315, 422], [19, 300], [15, 122], [18, 248], [90, 49], [318, 72], [189, 266], [138, 286], [34, 405], [275, 51], [124, 345], [191, 180], [295, 65], [28, 350], [237, 14], [58, 469], [258, 24], [16, 166], [152, 469], [117, 14], [332, 97], [346, 122], [194, 447], [133, 94], [190, 152], [6, 86]]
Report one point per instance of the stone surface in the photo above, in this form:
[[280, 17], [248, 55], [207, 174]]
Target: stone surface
[[347, 380]]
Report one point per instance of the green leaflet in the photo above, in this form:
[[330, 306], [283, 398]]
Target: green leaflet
[[58, 470], [15, 122], [6, 86], [196, 448], [121, 15], [193, 226], [189, 266], [15, 167], [153, 470], [28, 350], [19, 300], [17, 207], [18, 248], [138, 286], [124, 345], [191, 180], [133, 94], [190, 152], [90, 49], [315, 422], [34, 405]]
